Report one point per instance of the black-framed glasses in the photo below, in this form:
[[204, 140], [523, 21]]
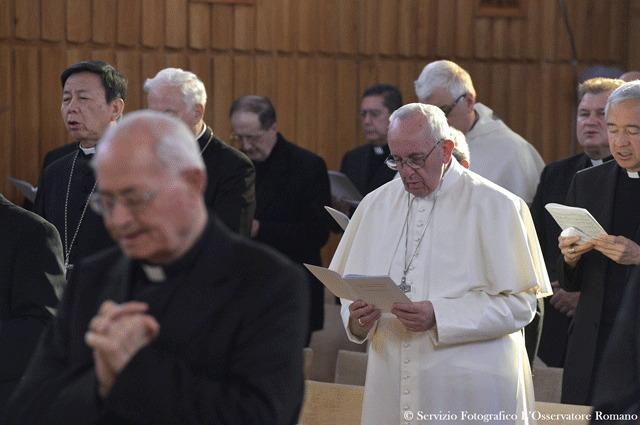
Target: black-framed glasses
[[414, 162], [134, 202], [447, 109], [249, 138]]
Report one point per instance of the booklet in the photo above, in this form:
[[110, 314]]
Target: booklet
[[340, 217], [380, 291], [343, 189], [25, 188], [575, 221]]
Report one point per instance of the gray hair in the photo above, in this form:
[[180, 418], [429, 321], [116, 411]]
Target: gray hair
[[460, 146], [627, 91], [176, 148], [443, 74], [438, 126], [190, 85]]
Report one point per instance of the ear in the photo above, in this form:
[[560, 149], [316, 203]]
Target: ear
[[448, 150], [117, 106], [469, 102], [196, 179], [198, 111], [274, 127]]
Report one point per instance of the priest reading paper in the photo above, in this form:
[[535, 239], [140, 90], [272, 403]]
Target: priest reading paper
[[465, 252]]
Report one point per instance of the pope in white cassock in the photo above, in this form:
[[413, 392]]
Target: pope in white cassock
[[466, 253]]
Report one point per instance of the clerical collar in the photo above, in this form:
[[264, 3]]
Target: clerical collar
[[596, 161], [633, 174], [378, 150], [154, 273], [87, 151], [204, 128]]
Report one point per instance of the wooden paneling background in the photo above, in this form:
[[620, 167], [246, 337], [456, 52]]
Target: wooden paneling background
[[313, 58]]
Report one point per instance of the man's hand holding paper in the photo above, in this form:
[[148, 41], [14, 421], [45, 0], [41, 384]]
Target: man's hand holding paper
[[618, 248]]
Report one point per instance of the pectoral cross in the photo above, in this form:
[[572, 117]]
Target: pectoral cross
[[403, 285]]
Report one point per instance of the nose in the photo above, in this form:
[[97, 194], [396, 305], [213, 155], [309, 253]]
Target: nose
[[118, 216]]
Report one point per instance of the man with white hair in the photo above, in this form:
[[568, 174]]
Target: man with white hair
[[171, 326], [231, 175], [499, 154], [465, 253], [600, 267]]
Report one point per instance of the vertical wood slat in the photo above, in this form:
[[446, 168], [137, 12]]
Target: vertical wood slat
[[348, 124], [27, 112], [151, 64], [222, 96], [409, 72], [266, 25], [6, 119], [463, 27], [578, 13], [221, 31], [128, 63], [129, 22], [325, 120], [600, 45], [266, 76], [407, 22], [104, 21], [53, 23], [201, 66], [367, 75], [327, 34], [348, 26], [446, 28], [515, 45], [427, 28], [152, 23], [387, 72], [633, 44], [533, 30], [306, 124], [52, 131], [27, 18], [500, 34], [308, 27], [548, 34], [6, 18], [244, 76], [499, 75], [617, 35], [78, 21], [286, 31], [244, 24], [388, 28], [517, 95], [482, 39], [562, 40], [105, 55], [286, 102], [368, 25], [175, 23], [199, 25]]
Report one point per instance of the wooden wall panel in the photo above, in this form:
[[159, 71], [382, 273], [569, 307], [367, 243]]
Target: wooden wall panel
[[199, 25], [221, 31], [446, 28], [286, 31], [327, 100], [152, 23], [516, 96], [244, 76], [348, 107], [407, 19], [514, 44], [286, 101], [464, 29], [130, 21], [600, 45], [52, 131], [499, 89], [327, 34], [27, 17], [633, 37], [244, 23], [175, 23], [617, 32], [221, 97], [427, 28], [78, 21], [7, 141], [53, 23], [129, 64], [533, 31], [7, 18], [388, 28], [266, 25], [482, 38], [368, 26], [104, 21], [266, 76], [26, 165], [348, 26], [306, 115], [308, 26]]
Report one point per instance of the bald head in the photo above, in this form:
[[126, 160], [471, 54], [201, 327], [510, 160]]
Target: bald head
[[630, 76]]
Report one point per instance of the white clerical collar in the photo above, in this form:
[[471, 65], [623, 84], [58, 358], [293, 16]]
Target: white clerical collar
[[204, 128], [596, 161], [88, 151], [633, 174], [154, 273], [378, 150]]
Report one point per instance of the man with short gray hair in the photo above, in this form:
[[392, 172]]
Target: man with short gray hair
[[464, 252], [184, 322], [499, 154], [231, 176]]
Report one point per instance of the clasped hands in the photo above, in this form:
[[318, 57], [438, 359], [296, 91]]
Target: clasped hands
[[618, 248], [415, 317], [116, 334]]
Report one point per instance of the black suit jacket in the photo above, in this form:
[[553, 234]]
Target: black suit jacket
[[229, 349], [231, 178], [617, 387], [553, 187], [51, 199], [31, 270], [356, 164], [593, 189], [292, 188]]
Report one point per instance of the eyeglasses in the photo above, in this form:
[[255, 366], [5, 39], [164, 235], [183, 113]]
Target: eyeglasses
[[250, 138], [134, 202], [413, 162], [447, 109], [373, 113]]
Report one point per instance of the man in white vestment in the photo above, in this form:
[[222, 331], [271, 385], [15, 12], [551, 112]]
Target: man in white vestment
[[499, 154], [466, 254]]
